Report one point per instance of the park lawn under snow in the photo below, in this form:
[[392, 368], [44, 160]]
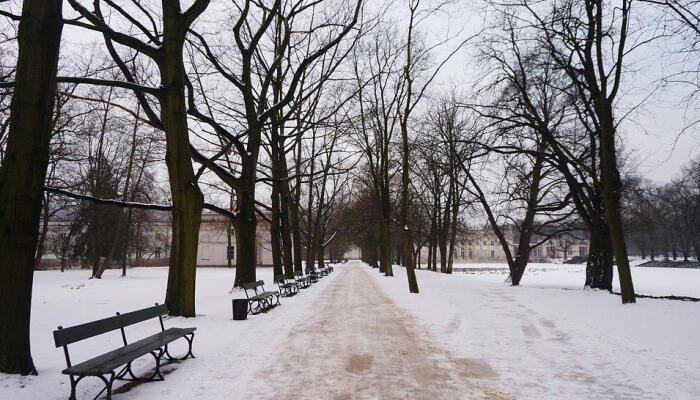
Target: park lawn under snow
[[70, 298], [552, 339], [543, 341], [647, 280]]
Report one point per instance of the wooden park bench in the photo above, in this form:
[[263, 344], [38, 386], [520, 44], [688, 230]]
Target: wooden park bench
[[286, 287], [312, 275], [301, 281], [105, 366], [263, 301]]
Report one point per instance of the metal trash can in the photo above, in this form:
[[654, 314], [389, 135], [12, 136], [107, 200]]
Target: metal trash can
[[240, 309]]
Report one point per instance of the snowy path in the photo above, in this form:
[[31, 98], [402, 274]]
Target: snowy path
[[356, 344]]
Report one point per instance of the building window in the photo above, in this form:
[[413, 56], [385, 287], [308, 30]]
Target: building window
[[492, 243], [462, 253], [471, 254], [492, 255]]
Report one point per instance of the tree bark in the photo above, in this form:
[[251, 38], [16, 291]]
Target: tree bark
[[275, 239], [599, 267], [406, 229], [23, 173], [522, 256], [41, 242], [612, 188], [310, 239], [288, 249], [187, 199], [295, 218], [246, 230]]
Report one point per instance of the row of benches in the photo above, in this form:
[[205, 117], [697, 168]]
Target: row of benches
[[116, 364], [261, 300]]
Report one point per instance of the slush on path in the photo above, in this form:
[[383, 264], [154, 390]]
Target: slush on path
[[357, 344]]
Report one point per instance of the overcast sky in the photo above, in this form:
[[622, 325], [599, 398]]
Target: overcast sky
[[652, 134]]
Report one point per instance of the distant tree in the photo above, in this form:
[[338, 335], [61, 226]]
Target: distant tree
[[379, 94], [663, 219], [97, 222]]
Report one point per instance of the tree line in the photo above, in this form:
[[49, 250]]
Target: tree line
[[177, 76], [314, 116]]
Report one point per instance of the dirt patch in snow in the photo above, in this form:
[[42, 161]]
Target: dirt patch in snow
[[356, 344]]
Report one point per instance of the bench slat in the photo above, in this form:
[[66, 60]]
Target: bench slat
[[252, 285], [76, 333], [108, 362]]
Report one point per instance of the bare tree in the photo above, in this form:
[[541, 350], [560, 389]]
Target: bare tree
[[22, 175], [165, 49], [251, 74]]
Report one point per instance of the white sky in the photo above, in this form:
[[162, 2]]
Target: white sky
[[652, 134]]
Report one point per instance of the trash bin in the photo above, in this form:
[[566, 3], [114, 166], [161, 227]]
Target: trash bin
[[240, 309]]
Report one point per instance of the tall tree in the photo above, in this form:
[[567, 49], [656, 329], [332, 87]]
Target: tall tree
[[580, 37], [165, 49], [22, 175]]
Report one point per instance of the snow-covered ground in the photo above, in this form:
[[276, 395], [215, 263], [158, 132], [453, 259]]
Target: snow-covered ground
[[227, 352], [647, 280], [548, 339]]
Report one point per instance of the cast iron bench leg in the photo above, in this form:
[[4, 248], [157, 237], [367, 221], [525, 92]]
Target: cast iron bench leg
[[108, 386], [189, 337], [156, 376]]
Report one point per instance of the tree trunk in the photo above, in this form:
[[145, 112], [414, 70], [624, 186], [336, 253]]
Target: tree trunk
[[98, 265], [406, 228], [320, 254], [285, 228], [23, 173], [246, 230], [385, 265], [275, 223], [275, 242], [310, 225], [41, 242], [372, 254], [523, 255], [295, 218], [453, 231], [612, 188], [318, 225], [187, 199], [296, 235], [445, 229], [429, 265], [124, 217], [599, 273]]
